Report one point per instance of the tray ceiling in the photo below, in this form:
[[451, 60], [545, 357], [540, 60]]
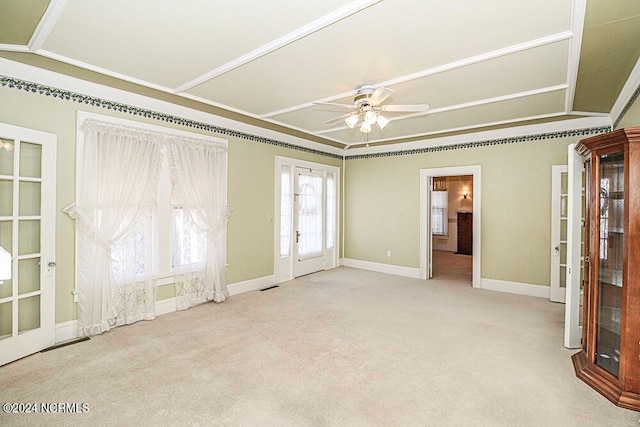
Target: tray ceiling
[[479, 65]]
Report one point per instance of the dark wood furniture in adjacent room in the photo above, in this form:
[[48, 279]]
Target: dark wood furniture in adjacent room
[[465, 233]]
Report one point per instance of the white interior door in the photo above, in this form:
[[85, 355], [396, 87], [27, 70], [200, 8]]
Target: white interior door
[[576, 187], [559, 209], [27, 233], [309, 221]]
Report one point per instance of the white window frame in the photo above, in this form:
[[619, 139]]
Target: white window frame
[[161, 234]]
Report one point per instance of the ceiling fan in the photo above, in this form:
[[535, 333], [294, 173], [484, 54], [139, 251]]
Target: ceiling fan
[[367, 108]]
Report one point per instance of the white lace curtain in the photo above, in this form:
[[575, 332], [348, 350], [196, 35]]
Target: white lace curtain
[[118, 178], [200, 173], [440, 212]]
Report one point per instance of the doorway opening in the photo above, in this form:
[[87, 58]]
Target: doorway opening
[[452, 227], [432, 246]]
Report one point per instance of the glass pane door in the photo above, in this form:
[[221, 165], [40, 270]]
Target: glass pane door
[[310, 216], [27, 238], [309, 221], [611, 196]]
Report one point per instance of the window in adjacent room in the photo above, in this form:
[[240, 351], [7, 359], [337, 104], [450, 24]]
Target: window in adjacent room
[[439, 207]]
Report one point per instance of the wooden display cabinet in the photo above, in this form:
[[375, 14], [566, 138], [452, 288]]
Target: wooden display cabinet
[[610, 357]]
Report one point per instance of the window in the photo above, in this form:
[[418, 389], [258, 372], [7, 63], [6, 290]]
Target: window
[[439, 212], [150, 210], [331, 210], [165, 234], [188, 244], [285, 211]]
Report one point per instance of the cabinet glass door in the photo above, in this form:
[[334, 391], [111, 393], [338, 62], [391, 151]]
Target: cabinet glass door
[[610, 257]]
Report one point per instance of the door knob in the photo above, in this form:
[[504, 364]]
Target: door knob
[[297, 236], [51, 264]]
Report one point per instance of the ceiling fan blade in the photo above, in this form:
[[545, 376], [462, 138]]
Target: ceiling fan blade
[[335, 104], [335, 119], [410, 107], [379, 95]]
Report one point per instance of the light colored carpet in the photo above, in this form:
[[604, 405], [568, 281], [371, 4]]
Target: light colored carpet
[[339, 348]]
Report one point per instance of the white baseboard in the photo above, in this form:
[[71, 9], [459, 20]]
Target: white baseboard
[[397, 270], [66, 331], [69, 330], [251, 285], [539, 291]]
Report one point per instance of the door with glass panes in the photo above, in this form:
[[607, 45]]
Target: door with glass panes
[[27, 235], [309, 221]]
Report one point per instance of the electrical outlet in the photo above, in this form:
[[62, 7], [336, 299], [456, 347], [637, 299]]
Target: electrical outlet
[[388, 253]]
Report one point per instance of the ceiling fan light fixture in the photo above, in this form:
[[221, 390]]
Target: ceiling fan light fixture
[[352, 120], [370, 117], [365, 127], [382, 121]]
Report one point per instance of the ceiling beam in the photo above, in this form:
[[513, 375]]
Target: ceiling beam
[[531, 44], [578, 11], [45, 26], [305, 30], [466, 105]]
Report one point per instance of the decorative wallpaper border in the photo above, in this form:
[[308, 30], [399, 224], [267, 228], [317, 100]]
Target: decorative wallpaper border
[[487, 143], [627, 107], [142, 112]]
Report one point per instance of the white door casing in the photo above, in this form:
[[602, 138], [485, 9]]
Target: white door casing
[[428, 225], [425, 214], [288, 263], [27, 231]]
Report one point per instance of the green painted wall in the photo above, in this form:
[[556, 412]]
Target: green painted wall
[[250, 241], [383, 194]]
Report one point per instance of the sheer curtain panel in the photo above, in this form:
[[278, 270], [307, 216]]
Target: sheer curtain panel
[[128, 235], [199, 171], [117, 190]]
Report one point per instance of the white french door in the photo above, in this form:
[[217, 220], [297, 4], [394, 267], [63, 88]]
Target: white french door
[[27, 233], [306, 222], [309, 221], [559, 209], [576, 190]]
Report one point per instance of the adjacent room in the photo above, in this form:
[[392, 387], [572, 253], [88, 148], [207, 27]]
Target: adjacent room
[[348, 212]]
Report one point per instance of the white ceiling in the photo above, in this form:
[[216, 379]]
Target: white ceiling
[[476, 63]]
